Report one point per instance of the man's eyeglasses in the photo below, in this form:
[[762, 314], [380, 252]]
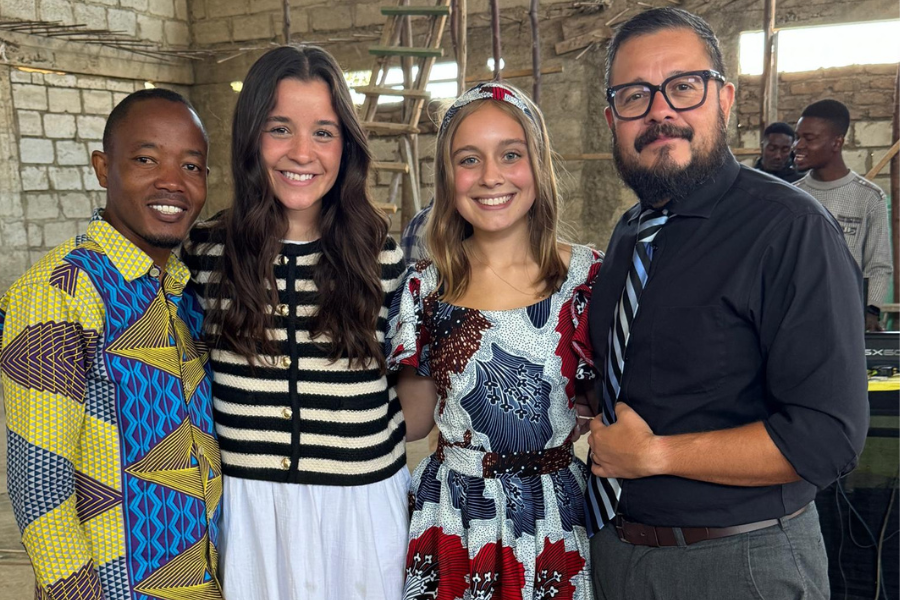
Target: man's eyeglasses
[[684, 91]]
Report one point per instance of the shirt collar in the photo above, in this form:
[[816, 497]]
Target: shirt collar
[[788, 169], [704, 199], [131, 261], [817, 184]]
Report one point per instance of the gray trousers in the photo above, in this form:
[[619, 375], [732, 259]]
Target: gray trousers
[[782, 562]]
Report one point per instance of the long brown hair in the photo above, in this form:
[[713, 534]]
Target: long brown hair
[[353, 232], [446, 229]]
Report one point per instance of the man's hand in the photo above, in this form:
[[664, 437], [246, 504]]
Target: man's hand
[[745, 455], [873, 323], [627, 449]]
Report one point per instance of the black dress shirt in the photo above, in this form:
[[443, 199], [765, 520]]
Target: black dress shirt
[[787, 173], [752, 312]]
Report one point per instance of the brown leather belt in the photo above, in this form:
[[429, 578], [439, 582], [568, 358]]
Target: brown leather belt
[[522, 464], [648, 535]]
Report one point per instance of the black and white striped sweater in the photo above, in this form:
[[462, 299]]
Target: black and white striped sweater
[[305, 419]]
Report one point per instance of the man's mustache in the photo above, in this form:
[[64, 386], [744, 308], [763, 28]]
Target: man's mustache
[[658, 130]]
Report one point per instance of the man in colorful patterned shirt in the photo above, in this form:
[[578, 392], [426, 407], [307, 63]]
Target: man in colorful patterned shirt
[[114, 469]]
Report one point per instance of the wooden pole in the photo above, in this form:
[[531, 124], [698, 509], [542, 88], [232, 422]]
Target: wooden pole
[[454, 28], [463, 33], [287, 22], [895, 194], [773, 81], [770, 72], [535, 52], [516, 74], [407, 204], [888, 156], [406, 62], [609, 156], [495, 36]]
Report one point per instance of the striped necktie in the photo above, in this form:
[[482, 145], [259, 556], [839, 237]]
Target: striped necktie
[[603, 493]]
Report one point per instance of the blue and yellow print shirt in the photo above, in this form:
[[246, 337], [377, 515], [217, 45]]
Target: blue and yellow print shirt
[[114, 469]]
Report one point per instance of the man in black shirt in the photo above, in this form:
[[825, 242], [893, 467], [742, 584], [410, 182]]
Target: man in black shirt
[[777, 156], [733, 382]]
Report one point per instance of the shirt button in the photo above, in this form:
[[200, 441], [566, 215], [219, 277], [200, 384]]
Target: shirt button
[[287, 413], [285, 361], [281, 259], [154, 271], [282, 309], [285, 463]]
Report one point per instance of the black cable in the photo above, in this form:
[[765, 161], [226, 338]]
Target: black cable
[[839, 489], [840, 561], [884, 524], [853, 512]]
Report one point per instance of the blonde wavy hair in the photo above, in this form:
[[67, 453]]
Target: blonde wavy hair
[[446, 229]]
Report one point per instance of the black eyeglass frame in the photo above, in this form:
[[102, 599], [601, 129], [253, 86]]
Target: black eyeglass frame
[[705, 74]]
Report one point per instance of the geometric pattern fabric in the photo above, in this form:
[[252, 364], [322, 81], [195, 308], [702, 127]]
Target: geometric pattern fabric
[[44, 494], [114, 468], [46, 357], [93, 498], [114, 578], [100, 393], [81, 584]]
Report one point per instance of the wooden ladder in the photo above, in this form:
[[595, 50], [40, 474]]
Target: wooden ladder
[[397, 43]]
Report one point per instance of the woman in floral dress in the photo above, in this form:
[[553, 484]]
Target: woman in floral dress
[[492, 342]]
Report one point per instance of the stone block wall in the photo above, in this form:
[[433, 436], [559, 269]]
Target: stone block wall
[[55, 96], [58, 121], [868, 91], [573, 100], [228, 21], [49, 123], [163, 22], [338, 25]]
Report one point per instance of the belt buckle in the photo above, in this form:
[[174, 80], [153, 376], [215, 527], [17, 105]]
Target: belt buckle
[[496, 465], [651, 540]]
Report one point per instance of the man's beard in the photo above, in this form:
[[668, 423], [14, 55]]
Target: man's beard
[[665, 180], [166, 243]]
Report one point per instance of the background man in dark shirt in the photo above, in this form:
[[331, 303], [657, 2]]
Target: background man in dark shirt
[[777, 157], [739, 385]]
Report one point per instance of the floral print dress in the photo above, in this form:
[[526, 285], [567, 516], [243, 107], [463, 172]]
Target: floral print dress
[[498, 510]]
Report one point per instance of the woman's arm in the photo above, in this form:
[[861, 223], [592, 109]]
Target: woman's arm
[[418, 397]]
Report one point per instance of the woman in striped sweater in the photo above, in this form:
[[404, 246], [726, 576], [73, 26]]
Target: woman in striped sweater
[[297, 277]]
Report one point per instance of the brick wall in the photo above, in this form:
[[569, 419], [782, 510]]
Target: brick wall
[[868, 91]]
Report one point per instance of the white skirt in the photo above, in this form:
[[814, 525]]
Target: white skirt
[[285, 541]]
